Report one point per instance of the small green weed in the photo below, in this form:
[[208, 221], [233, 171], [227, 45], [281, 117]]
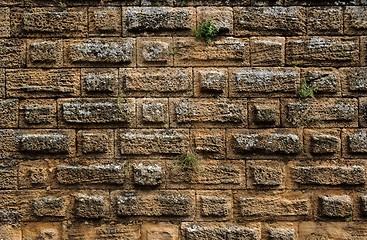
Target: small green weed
[[349, 219], [188, 161], [207, 31], [120, 104], [306, 90]]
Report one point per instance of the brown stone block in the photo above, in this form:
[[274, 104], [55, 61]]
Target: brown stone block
[[99, 82], [95, 143], [8, 178], [2, 83], [42, 230], [4, 21], [160, 231], [363, 51], [354, 81], [214, 205], [40, 83], [210, 82], [325, 21], [104, 21], [322, 143], [87, 230], [225, 51], [206, 113], [155, 51], [332, 230], [33, 175], [324, 81], [322, 51], [156, 82], [209, 143], [50, 206], [13, 53], [10, 232], [265, 175], [263, 113], [323, 112], [38, 113], [281, 231], [91, 205], [354, 143], [355, 20], [148, 174], [45, 53], [152, 112], [255, 21], [9, 113], [222, 18], [335, 206], [267, 51]]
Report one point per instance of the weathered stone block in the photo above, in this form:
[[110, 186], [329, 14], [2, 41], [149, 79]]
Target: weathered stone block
[[95, 143], [155, 51], [363, 51], [281, 234], [325, 81], [37, 83], [332, 230], [33, 175], [214, 205], [9, 113], [226, 51], [156, 82], [265, 174], [260, 82], [153, 112], [159, 20], [5, 22], [329, 175], [327, 112], [295, 206], [39, 113], [354, 81], [99, 81], [210, 82], [2, 83], [363, 201], [322, 51], [264, 113], [104, 21], [222, 17], [160, 231], [325, 21], [92, 52], [217, 231], [49, 207], [108, 230], [209, 143], [208, 112], [98, 111], [177, 204], [97, 174], [152, 141], [267, 51], [322, 143], [50, 142], [42, 230], [335, 206], [254, 21], [262, 144], [46, 54], [354, 143], [146, 174], [90, 206], [8, 144], [13, 53], [40, 22], [11, 232], [320, 3], [8, 178], [355, 20]]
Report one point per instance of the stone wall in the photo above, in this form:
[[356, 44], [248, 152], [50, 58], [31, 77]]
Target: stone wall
[[101, 102]]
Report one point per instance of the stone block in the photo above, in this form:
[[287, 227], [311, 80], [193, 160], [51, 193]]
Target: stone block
[[41, 22], [265, 174], [153, 112], [322, 143], [38, 113], [104, 21], [335, 206], [160, 231], [325, 81], [155, 51], [294, 206], [323, 112], [107, 230], [159, 20], [281, 234], [9, 113], [320, 3], [168, 204], [45, 54], [322, 51], [363, 51], [99, 112], [5, 22], [95, 144], [222, 17], [209, 143], [156, 82], [225, 51], [208, 112], [49, 207], [95, 174], [264, 113], [148, 174], [10, 232], [332, 230], [267, 51], [100, 52], [91, 206], [150, 142], [354, 143], [363, 201], [355, 20], [42, 230], [210, 82], [201, 231], [214, 205], [99, 82], [325, 21], [13, 53], [263, 82], [33, 175], [8, 178], [263, 144], [279, 21], [40, 83], [354, 81], [334, 175], [2, 83]]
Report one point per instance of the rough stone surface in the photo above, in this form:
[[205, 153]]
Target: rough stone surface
[[335, 206], [104, 21], [355, 20], [148, 174], [325, 21], [267, 51], [49, 206], [99, 82], [90, 206], [13, 52], [45, 54]]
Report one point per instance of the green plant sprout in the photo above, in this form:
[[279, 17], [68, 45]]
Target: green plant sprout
[[188, 161], [207, 31], [306, 90]]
